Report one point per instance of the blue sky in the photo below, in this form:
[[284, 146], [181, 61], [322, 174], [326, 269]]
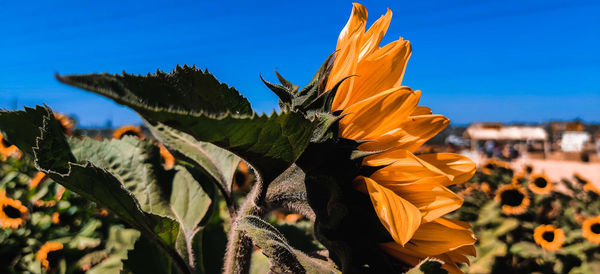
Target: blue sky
[[474, 60]]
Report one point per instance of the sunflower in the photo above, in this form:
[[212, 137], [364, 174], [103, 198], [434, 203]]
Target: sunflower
[[580, 179], [42, 254], [128, 130], [514, 199], [7, 149], [39, 178], [409, 192], [169, 160], [519, 179], [591, 229], [65, 122], [12, 212], [540, 184], [485, 188], [587, 185], [241, 177], [492, 165], [528, 168], [55, 218], [549, 237]]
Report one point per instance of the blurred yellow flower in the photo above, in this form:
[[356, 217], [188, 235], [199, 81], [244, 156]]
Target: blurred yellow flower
[[549, 237], [42, 254], [591, 229], [55, 218], [12, 213], [65, 122], [7, 149], [168, 159], [587, 185], [409, 193], [514, 199], [485, 188], [540, 184], [38, 178], [128, 130], [519, 179]]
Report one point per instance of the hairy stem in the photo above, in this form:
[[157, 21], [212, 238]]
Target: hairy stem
[[239, 246]]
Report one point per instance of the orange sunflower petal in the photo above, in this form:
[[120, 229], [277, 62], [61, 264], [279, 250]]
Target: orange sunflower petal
[[382, 70], [346, 57], [370, 41], [400, 217], [459, 166], [410, 134], [388, 108]]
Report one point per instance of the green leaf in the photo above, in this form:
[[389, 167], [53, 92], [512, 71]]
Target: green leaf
[[282, 256], [184, 89], [486, 254], [269, 143], [209, 112], [22, 127], [507, 225], [527, 250], [146, 258], [217, 162], [120, 241]]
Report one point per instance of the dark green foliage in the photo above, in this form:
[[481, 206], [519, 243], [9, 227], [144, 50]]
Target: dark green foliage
[[125, 176]]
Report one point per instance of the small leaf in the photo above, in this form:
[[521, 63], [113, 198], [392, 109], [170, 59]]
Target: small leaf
[[269, 143], [120, 241], [217, 162], [282, 256], [184, 89]]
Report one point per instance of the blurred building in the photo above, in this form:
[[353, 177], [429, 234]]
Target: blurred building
[[499, 140]]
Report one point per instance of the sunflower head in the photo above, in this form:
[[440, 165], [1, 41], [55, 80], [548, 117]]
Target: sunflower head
[[590, 229], [514, 199], [364, 180], [540, 184], [46, 252], [492, 165], [519, 179], [528, 168], [587, 184], [12, 213], [549, 237], [65, 122], [128, 130]]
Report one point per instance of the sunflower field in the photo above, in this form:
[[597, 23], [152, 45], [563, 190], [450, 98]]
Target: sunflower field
[[334, 182], [527, 223]]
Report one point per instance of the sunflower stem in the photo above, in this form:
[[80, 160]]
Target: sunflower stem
[[239, 246]]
